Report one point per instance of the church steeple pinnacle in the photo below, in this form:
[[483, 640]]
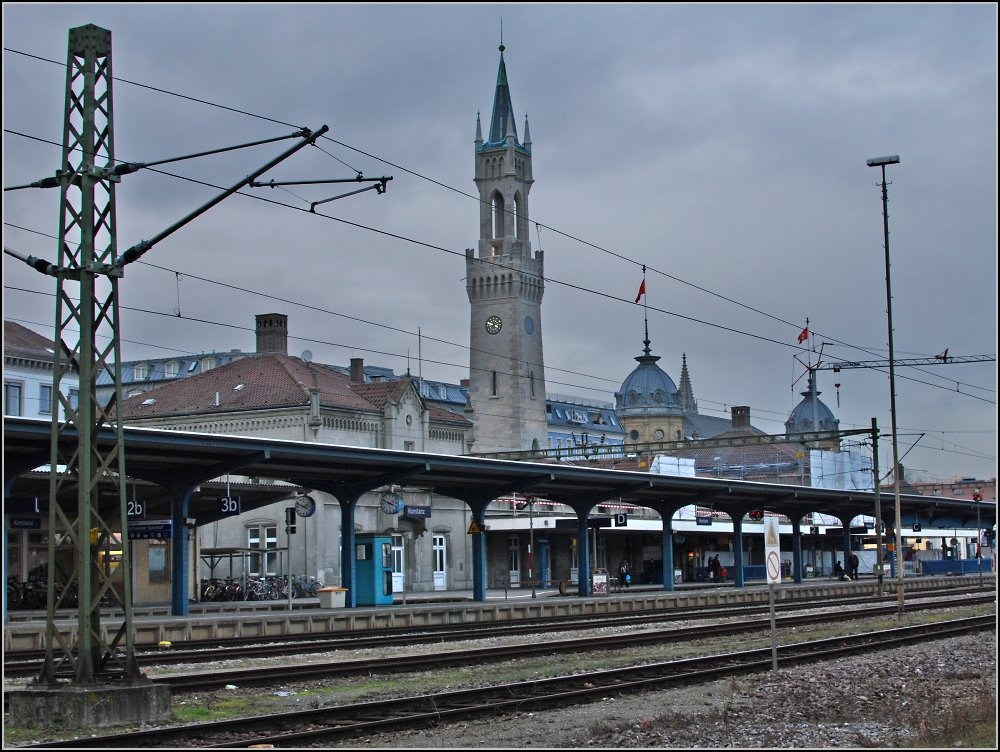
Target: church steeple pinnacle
[[503, 110], [685, 392]]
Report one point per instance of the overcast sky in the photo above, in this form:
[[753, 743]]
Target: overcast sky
[[723, 146]]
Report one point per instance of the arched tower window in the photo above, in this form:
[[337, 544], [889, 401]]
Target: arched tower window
[[520, 224], [497, 208]]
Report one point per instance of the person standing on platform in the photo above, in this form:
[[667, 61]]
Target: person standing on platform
[[852, 566], [624, 577]]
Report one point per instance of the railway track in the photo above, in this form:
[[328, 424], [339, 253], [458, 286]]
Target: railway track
[[271, 675], [357, 719], [28, 663]]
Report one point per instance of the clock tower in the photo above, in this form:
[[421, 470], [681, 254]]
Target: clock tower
[[505, 282]]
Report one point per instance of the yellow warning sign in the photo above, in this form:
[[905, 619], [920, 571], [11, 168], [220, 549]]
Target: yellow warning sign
[[474, 529]]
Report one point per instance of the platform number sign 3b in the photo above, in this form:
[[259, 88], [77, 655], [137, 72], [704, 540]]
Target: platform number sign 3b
[[229, 506]]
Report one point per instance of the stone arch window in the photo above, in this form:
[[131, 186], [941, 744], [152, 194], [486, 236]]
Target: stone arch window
[[518, 232], [497, 208], [659, 396], [495, 384], [632, 397]]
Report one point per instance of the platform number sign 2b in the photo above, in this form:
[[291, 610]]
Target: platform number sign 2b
[[136, 509], [229, 506]]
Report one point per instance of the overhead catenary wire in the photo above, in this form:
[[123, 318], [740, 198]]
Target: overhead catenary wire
[[478, 199], [581, 288]]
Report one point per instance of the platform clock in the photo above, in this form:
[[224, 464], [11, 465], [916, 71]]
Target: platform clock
[[389, 503], [305, 506]]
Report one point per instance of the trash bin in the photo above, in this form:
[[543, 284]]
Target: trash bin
[[332, 597]]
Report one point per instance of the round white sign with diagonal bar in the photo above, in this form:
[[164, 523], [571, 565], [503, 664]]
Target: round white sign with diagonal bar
[[772, 550], [773, 568]]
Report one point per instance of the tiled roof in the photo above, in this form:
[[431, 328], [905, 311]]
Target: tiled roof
[[381, 392], [21, 342], [268, 382], [251, 383]]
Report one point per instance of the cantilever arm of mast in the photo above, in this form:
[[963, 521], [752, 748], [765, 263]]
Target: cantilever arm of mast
[[380, 185], [40, 265], [126, 168], [139, 249], [936, 360]]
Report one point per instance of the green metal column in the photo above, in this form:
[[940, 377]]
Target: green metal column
[[81, 531]]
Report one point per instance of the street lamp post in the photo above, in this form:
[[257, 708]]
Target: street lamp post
[[882, 162]]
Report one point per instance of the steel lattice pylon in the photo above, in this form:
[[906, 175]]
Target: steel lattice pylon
[[81, 537]]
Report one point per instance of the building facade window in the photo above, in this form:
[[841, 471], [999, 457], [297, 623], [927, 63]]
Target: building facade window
[[140, 371], [45, 399], [171, 369], [13, 398], [261, 538], [74, 399]]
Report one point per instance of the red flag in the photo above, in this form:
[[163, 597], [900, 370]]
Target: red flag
[[642, 290], [803, 335]]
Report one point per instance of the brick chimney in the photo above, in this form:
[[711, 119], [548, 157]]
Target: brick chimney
[[272, 333], [357, 370], [741, 417]]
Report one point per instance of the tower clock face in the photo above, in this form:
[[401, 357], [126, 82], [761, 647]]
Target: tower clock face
[[494, 325]]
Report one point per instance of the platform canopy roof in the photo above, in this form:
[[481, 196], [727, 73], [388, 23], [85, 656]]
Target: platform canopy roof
[[159, 459]]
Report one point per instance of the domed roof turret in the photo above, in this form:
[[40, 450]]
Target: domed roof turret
[[811, 414], [648, 390]]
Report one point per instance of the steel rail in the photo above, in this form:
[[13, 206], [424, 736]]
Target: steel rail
[[25, 662], [354, 720]]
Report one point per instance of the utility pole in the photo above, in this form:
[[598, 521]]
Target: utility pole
[[898, 546], [87, 311], [101, 667]]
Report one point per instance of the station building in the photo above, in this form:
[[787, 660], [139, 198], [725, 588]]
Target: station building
[[502, 407]]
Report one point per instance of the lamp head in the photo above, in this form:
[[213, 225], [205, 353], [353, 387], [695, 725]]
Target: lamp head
[[882, 161]]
